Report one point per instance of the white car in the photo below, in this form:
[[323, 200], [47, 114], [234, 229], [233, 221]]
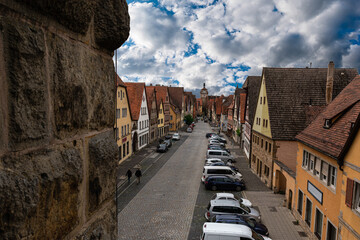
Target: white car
[[230, 196], [216, 142], [189, 130], [176, 136], [212, 160]]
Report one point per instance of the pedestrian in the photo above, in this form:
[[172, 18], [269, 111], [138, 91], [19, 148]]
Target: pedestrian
[[138, 175], [129, 175]]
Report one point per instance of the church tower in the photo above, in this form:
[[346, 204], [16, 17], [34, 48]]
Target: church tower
[[204, 97]]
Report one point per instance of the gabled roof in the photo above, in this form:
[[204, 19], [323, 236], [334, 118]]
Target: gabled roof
[[226, 104], [150, 97], [176, 96], [161, 92], [218, 104], [135, 92], [289, 90], [252, 85], [119, 82], [242, 106], [342, 112]]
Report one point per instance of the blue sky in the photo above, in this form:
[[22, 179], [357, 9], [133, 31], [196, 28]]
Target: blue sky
[[220, 42]]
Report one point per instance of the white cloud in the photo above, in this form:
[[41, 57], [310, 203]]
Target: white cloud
[[233, 33]]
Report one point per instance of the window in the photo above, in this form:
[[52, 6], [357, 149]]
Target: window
[[171, 118], [162, 121], [124, 112], [324, 171], [121, 95], [317, 167], [311, 164], [124, 153], [128, 130], [269, 147], [127, 147], [118, 94], [305, 162], [260, 100], [266, 170], [331, 232], [300, 202], [308, 211], [120, 152], [262, 143], [264, 100], [266, 145], [263, 122], [332, 176], [266, 123], [117, 113], [122, 130], [318, 223], [357, 196]]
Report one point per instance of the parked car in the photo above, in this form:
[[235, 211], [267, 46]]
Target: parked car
[[162, 147], [209, 161], [220, 139], [230, 196], [168, 136], [189, 130], [221, 207], [176, 137], [223, 182], [217, 147], [168, 142], [209, 135], [219, 170], [216, 142], [222, 154], [223, 164], [239, 219], [229, 231]]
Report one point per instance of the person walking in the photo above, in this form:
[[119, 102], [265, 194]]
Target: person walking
[[138, 175], [129, 175]]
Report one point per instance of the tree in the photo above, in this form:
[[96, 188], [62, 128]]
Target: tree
[[188, 119]]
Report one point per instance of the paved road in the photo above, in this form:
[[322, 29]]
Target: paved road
[[164, 206]]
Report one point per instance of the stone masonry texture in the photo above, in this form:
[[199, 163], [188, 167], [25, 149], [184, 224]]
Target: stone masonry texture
[[58, 154]]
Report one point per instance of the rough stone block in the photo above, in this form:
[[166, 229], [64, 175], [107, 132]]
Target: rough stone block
[[111, 23], [103, 155], [25, 51], [39, 194], [82, 88]]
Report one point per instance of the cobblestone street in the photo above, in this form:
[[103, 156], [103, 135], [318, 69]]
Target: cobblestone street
[[170, 201]]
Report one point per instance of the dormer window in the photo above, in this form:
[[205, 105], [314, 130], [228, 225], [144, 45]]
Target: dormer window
[[327, 123]]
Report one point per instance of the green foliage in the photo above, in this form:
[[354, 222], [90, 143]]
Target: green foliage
[[188, 119], [238, 132]]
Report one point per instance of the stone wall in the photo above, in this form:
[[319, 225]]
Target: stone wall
[[58, 154]]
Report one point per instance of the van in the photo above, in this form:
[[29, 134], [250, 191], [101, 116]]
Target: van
[[222, 154], [228, 231], [219, 170]]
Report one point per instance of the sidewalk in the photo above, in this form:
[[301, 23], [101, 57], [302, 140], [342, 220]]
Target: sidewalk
[[281, 223]]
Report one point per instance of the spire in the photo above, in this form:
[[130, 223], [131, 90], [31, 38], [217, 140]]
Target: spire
[[204, 85]]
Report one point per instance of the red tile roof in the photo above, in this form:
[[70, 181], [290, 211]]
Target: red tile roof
[[242, 107], [135, 92], [150, 96], [119, 82], [342, 112], [218, 104], [176, 96]]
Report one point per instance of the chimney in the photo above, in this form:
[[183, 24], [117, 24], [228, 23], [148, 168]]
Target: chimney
[[150, 84], [330, 82]]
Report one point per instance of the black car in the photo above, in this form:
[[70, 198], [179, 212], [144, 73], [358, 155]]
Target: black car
[[168, 142], [162, 147], [239, 219], [209, 135], [222, 182], [168, 136]]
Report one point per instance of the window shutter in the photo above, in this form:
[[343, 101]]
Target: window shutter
[[349, 192]]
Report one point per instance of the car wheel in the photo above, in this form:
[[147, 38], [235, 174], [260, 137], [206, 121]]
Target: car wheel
[[238, 188], [213, 188]]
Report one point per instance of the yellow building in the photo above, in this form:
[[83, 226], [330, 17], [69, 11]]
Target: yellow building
[[173, 118], [161, 119], [349, 217], [123, 122], [321, 176]]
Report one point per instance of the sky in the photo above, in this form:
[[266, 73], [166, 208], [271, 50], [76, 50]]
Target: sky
[[220, 42]]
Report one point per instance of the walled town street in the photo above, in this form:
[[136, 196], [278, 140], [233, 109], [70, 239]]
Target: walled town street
[[170, 201]]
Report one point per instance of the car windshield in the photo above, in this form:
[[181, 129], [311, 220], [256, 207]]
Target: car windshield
[[245, 208], [256, 236], [251, 223]]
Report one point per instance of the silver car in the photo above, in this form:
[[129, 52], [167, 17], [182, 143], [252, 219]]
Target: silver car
[[221, 207]]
